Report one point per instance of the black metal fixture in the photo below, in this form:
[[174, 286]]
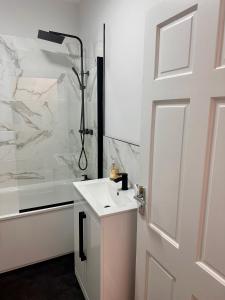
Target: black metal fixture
[[101, 105], [100, 113], [58, 37], [124, 178], [82, 255]]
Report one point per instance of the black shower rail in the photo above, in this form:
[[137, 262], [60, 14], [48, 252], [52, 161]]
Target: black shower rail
[[58, 37]]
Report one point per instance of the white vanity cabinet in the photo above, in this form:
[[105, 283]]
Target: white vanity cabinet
[[87, 256], [105, 249]]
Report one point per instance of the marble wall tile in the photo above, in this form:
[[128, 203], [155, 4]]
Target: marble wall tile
[[40, 113], [7, 145], [10, 69], [125, 155], [8, 172], [6, 116]]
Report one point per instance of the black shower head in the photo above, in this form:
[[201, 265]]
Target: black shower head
[[51, 37]]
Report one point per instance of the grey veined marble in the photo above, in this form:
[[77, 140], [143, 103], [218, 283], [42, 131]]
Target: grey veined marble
[[125, 155], [20, 176], [40, 114]]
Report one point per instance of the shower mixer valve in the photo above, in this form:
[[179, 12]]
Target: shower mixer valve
[[86, 131]]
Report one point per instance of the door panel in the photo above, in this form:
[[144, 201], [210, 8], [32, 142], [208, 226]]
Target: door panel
[[160, 282], [172, 60], [180, 240], [168, 143], [212, 252], [220, 59]]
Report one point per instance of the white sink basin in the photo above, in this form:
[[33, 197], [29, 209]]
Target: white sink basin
[[105, 196]]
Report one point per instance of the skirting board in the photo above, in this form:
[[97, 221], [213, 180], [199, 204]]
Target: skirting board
[[35, 236]]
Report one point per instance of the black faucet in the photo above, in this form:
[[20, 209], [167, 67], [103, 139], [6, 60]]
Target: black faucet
[[124, 178]]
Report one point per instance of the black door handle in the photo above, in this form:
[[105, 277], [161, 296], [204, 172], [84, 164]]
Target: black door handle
[[82, 216]]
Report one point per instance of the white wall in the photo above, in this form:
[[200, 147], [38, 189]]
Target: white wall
[[125, 25], [25, 17]]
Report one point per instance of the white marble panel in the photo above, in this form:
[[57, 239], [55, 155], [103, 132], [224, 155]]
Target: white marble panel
[[6, 116], [126, 156], [7, 145], [10, 69], [40, 106], [8, 174]]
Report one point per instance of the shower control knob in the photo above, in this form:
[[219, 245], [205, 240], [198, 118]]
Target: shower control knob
[[89, 131], [86, 131]]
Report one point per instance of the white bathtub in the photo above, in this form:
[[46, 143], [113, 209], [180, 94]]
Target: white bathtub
[[14, 199], [38, 235]]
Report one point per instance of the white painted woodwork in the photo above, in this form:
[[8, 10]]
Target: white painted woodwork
[[93, 244], [173, 60], [109, 244], [213, 239], [36, 236], [181, 240], [220, 59], [169, 125], [80, 267], [157, 275], [88, 272]]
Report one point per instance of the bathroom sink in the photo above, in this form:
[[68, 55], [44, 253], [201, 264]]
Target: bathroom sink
[[106, 197]]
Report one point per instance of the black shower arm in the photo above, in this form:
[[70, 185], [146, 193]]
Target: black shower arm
[[70, 36], [81, 52]]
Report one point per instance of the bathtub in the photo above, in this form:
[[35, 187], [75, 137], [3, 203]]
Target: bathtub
[[33, 228], [14, 200]]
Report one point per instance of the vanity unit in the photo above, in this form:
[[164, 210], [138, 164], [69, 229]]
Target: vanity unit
[[105, 240]]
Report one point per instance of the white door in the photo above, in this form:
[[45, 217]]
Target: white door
[[181, 239]]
